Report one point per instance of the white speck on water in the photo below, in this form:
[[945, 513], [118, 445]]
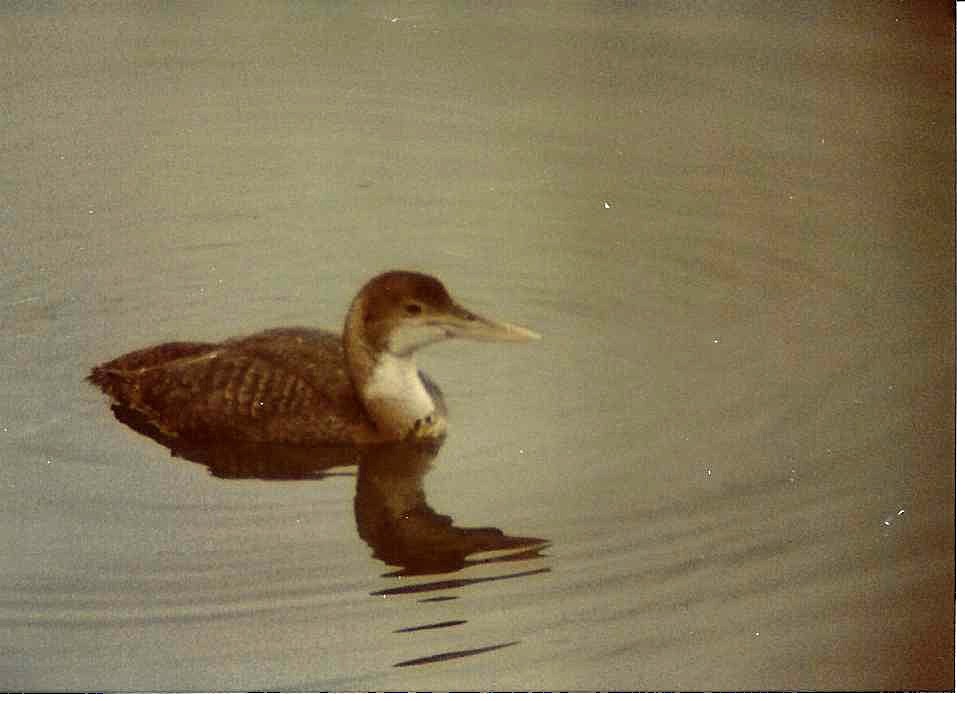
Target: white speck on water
[[606, 205], [892, 520], [90, 211], [716, 340]]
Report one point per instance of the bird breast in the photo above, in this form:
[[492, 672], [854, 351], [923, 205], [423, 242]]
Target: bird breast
[[396, 396]]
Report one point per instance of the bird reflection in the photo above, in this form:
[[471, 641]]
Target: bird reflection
[[391, 511], [394, 518], [244, 460]]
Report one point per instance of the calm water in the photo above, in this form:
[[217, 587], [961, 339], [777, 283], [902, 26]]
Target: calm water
[[729, 464]]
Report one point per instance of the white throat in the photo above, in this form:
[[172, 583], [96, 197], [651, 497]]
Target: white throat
[[396, 395]]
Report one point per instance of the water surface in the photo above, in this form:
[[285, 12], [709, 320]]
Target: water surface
[[733, 226]]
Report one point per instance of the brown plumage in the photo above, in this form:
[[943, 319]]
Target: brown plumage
[[278, 386], [303, 385]]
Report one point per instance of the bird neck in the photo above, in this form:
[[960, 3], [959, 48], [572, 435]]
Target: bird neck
[[388, 385]]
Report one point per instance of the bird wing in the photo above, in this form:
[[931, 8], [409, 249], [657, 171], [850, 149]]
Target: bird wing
[[282, 385]]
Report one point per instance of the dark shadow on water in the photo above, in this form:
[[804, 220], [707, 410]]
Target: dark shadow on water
[[444, 656], [243, 460], [391, 511], [460, 582], [432, 626], [392, 516]]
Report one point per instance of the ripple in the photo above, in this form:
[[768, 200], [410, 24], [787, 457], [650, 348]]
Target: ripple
[[456, 654]]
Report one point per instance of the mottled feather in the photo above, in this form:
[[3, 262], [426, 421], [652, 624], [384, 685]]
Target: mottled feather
[[279, 385]]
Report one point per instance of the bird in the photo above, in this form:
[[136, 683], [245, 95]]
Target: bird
[[302, 385]]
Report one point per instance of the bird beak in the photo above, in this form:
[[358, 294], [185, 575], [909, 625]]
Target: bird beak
[[459, 322]]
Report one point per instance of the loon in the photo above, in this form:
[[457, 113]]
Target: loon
[[303, 385]]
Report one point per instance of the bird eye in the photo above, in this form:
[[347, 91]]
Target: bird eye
[[413, 309]]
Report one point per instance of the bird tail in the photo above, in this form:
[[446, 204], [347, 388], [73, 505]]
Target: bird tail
[[119, 385], [121, 378]]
